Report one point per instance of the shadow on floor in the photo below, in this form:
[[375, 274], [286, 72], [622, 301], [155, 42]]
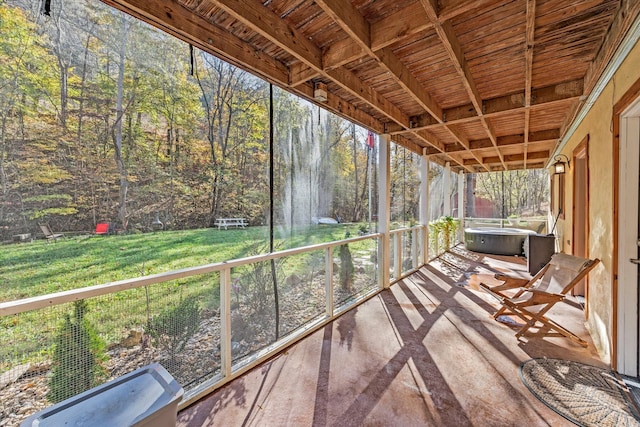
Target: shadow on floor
[[424, 352]]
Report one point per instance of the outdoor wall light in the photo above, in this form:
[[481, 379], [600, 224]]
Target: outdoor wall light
[[559, 165], [320, 92]]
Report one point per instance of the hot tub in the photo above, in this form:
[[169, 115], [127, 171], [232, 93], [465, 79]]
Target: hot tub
[[497, 241]]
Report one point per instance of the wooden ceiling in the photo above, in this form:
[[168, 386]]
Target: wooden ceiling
[[485, 85]]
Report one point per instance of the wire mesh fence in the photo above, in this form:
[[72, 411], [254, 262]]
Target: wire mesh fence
[[81, 341], [355, 271], [52, 354]]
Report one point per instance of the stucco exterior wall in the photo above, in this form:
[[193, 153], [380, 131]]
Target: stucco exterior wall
[[597, 125]]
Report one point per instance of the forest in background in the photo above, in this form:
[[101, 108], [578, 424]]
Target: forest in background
[[103, 118]]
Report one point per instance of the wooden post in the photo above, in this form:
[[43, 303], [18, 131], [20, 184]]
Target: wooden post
[[384, 208]]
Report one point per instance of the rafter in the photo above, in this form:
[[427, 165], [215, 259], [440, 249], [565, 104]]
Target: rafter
[[350, 20], [269, 25], [455, 132], [539, 137], [454, 50], [528, 67], [492, 137], [537, 155], [542, 98]]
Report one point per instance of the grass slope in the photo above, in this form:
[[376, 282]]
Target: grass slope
[[39, 268]]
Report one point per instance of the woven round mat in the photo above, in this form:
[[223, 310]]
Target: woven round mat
[[583, 394]]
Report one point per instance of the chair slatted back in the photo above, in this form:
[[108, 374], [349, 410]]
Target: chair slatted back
[[564, 272], [45, 229]]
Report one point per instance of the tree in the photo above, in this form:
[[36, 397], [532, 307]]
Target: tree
[[27, 82], [514, 192], [227, 94], [78, 352]]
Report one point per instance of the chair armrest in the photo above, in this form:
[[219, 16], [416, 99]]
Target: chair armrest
[[509, 283], [542, 297]]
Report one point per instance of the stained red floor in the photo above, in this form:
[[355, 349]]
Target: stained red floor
[[425, 352]]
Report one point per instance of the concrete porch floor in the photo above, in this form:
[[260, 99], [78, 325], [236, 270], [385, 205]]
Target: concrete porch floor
[[424, 352]]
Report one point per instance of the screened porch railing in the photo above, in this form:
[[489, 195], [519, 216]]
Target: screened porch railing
[[206, 325]]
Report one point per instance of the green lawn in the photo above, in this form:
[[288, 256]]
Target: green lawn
[[39, 268]]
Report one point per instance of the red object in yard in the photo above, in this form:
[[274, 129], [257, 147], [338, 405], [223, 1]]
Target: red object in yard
[[102, 228]]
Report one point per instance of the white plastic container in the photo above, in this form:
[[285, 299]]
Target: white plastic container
[[148, 396]]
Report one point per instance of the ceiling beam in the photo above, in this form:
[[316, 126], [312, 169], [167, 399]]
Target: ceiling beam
[[537, 155], [454, 50], [270, 26], [457, 134], [182, 23], [542, 98], [354, 24], [408, 82], [357, 28], [299, 73], [528, 67], [394, 28], [539, 137], [340, 53], [457, 7], [492, 136], [452, 46]]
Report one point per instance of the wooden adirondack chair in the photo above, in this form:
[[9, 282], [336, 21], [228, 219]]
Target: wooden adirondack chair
[[535, 297], [50, 235]]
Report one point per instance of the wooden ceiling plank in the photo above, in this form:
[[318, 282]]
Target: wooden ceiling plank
[[464, 141], [341, 53], [408, 82], [625, 17], [300, 72], [399, 25], [454, 49], [492, 136], [191, 28], [528, 55], [354, 24], [270, 26], [458, 7], [349, 19]]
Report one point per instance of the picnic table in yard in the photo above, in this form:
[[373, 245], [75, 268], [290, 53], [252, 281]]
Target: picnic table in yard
[[231, 222], [22, 237]]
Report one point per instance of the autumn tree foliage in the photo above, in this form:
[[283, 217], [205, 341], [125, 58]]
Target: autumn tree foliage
[[104, 118]]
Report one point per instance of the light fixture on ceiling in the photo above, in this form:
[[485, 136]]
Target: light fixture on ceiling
[[320, 92], [560, 164]]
